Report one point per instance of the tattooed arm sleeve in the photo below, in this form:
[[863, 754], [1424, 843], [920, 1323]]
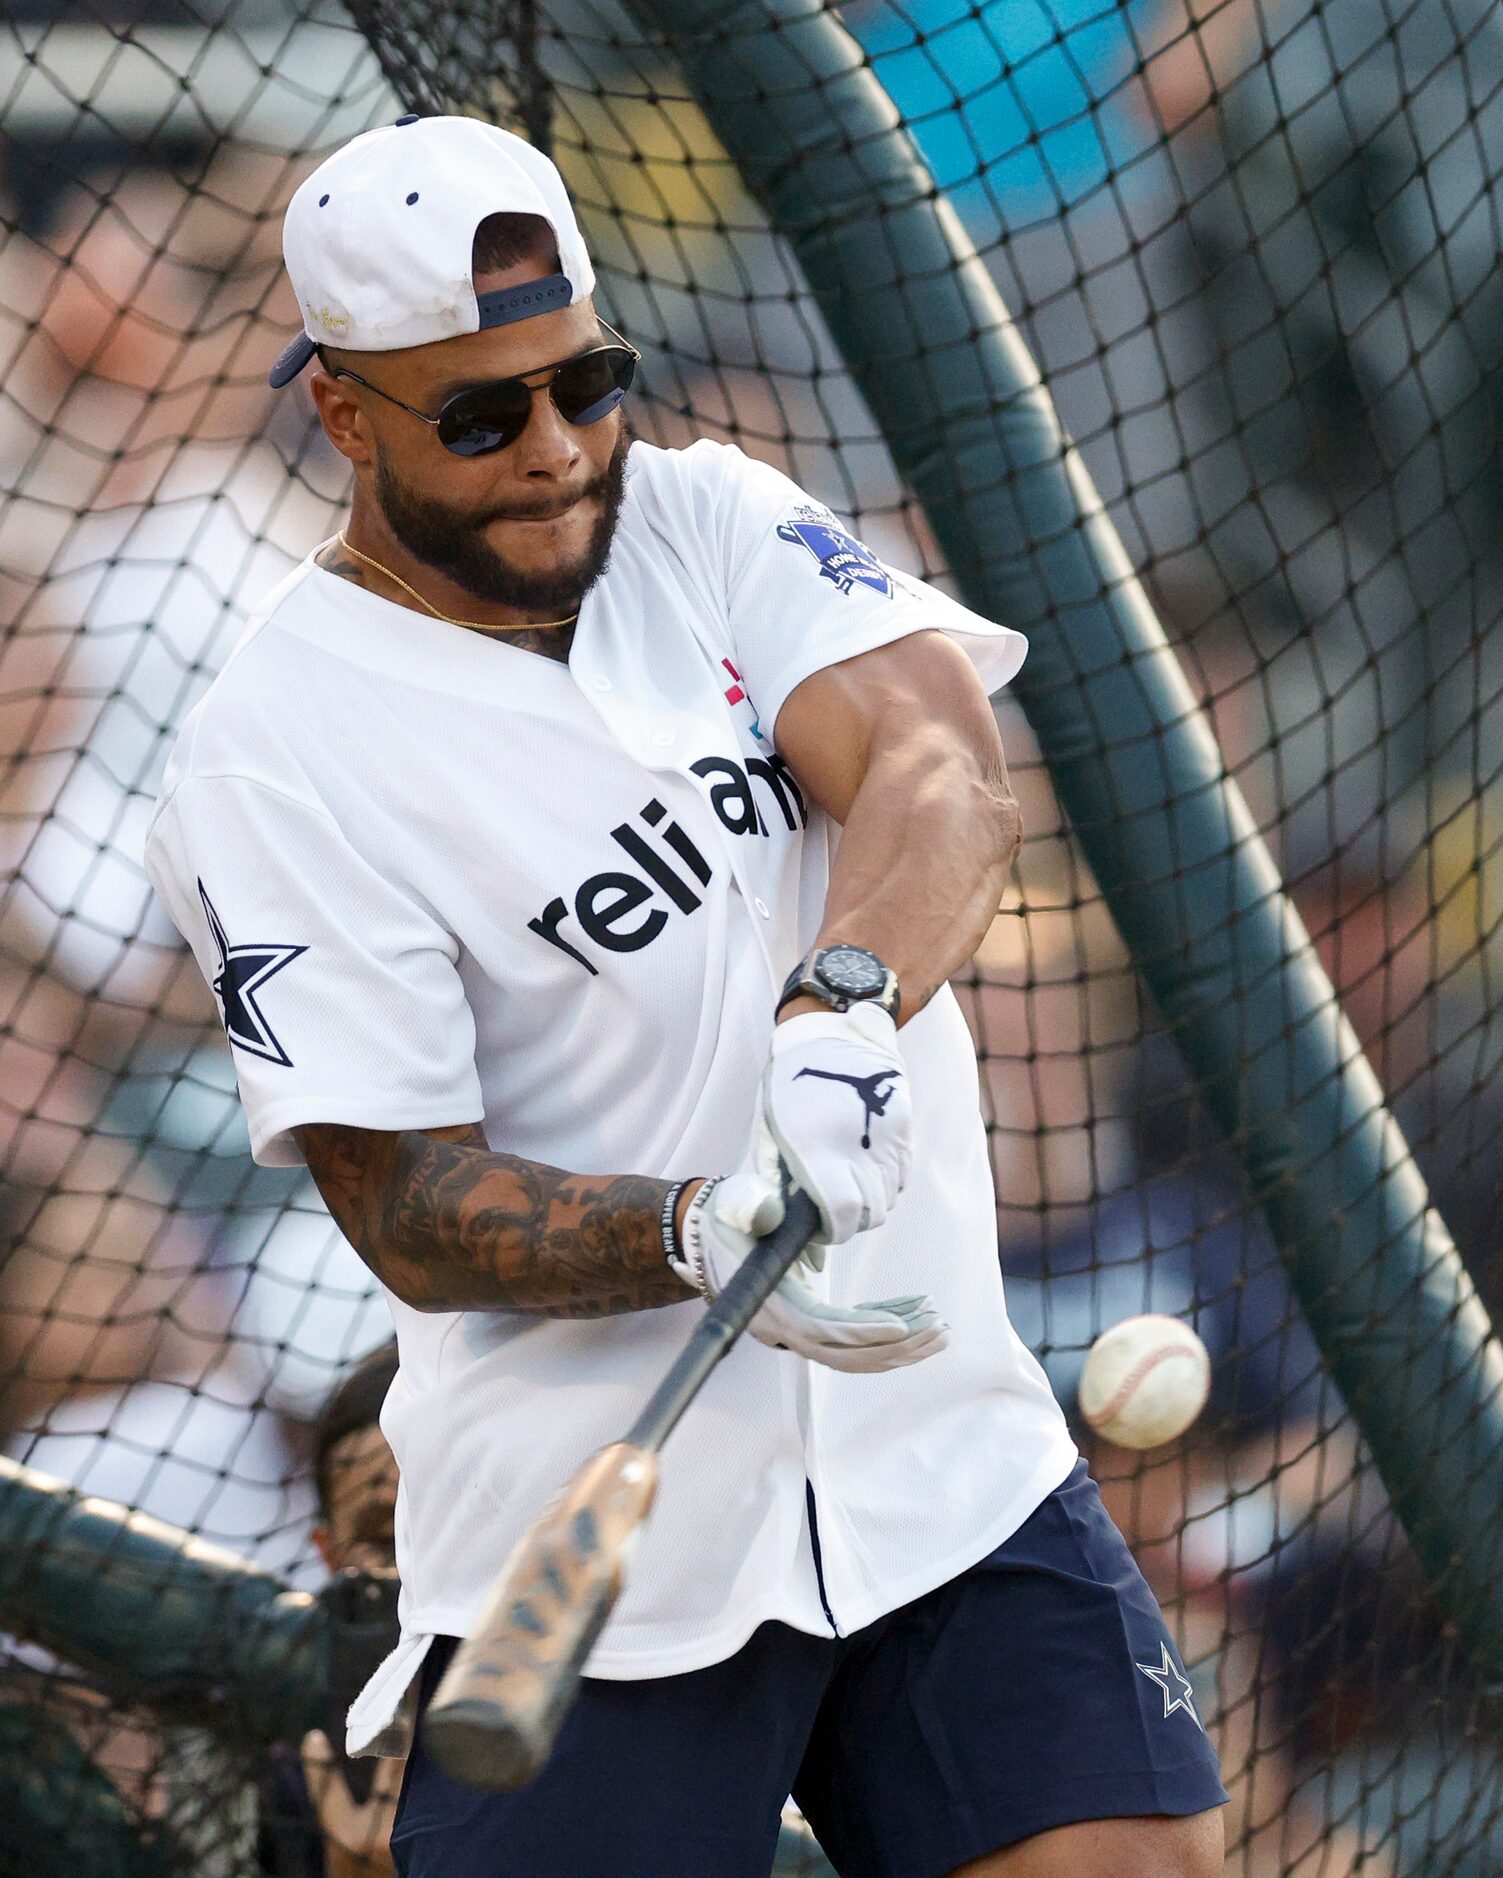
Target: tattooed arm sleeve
[[447, 1225]]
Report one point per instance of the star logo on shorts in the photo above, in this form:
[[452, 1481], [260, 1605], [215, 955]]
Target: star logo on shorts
[[1176, 1685], [242, 972]]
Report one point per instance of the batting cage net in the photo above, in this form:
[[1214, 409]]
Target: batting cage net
[[1252, 246]]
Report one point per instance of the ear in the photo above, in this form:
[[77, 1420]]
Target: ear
[[326, 1548], [345, 423]]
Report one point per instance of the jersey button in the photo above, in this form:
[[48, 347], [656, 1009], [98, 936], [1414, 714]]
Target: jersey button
[[601, 682], [663, 738], [761, 907]]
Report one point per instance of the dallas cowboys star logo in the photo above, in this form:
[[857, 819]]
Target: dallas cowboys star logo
[[242, 972], [1178, 1690]]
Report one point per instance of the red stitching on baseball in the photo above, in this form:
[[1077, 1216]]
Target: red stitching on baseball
[[1114, 1404]]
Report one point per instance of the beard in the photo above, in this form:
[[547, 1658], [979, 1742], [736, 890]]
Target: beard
[[452, 541]]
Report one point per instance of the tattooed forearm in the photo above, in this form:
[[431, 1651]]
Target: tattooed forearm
[[449, 1226]]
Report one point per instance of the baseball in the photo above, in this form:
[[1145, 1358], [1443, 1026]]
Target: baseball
[[1145, 1380]]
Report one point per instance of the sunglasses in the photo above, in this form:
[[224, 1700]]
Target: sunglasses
[[482, 419]]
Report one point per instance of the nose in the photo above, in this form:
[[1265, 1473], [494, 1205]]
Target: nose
[[548, 449]]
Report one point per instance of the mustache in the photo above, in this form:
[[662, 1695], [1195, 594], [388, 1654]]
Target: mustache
[[536, 512]]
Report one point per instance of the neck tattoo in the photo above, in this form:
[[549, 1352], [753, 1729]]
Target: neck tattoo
[[471, 625]]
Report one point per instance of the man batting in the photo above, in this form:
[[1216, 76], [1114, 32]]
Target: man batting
[[582, 837]]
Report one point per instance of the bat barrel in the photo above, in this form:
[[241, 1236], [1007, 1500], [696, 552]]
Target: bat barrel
[[496, 1714]]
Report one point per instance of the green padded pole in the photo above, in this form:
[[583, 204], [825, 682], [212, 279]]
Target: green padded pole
[[1191, 886], [158, 1617]]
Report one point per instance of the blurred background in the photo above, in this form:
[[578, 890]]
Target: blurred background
[[1254, 247]]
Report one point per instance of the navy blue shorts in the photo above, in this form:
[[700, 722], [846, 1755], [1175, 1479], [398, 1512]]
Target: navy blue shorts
[[1036, 1689]]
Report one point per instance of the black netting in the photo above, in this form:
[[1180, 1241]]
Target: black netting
[[1253, 245]]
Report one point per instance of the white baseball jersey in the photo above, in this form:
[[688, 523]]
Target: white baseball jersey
[[434, 879]]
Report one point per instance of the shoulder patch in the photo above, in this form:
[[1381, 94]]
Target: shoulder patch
[[841, 557], [243, 970]]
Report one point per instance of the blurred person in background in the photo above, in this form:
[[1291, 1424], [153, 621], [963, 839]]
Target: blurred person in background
[[214, 1468], [1211, 1521], [91, 335], [1414, 961], [321, 1815], [142, 481], [1339, 160], [97, 306], [1116, 1198]]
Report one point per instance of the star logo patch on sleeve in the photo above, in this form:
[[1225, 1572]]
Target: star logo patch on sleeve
[[243, 970]]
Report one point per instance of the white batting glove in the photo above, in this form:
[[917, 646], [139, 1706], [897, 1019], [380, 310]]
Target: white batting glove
[[835, 1102], [724, 1221]]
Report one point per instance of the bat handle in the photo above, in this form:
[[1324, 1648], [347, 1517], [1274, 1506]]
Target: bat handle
[[496, 1713], [748, 1290]]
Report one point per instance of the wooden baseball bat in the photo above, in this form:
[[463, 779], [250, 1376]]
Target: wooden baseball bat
[[496, 1714]]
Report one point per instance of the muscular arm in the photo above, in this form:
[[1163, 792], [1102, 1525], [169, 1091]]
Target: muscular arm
[[447, 1225], [900, 746]]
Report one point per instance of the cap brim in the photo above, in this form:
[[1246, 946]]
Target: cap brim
[[292, 360]]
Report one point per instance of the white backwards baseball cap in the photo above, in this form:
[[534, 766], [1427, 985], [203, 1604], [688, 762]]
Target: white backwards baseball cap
[[378, 239]]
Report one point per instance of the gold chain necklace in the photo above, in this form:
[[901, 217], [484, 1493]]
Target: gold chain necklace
[[474, 625]]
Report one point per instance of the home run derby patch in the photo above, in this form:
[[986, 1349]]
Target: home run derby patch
[[841, 557]]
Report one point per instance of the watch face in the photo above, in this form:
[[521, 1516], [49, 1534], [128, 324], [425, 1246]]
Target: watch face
[[850, 970]]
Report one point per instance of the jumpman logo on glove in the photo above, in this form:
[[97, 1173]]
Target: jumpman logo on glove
[[874, 1097]]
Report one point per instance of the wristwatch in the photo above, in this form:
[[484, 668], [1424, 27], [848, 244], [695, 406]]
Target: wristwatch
[[842, 976]]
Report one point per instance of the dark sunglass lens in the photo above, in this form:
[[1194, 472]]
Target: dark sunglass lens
[[587, 388], [488, 418]]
